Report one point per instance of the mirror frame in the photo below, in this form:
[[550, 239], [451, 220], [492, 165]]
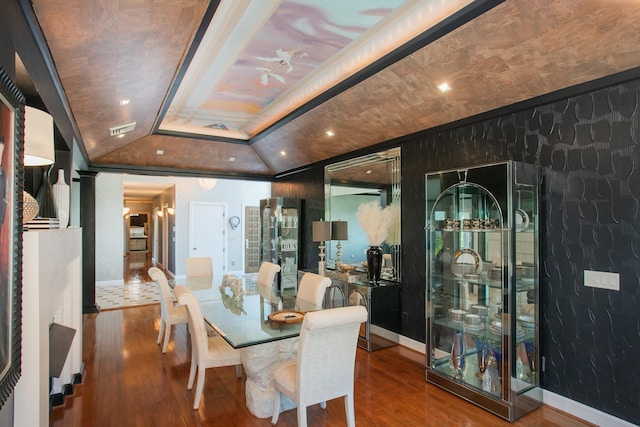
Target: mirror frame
[[12, 104], [380, 171]]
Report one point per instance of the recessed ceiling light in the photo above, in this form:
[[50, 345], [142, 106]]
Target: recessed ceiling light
[[283, 153], [124, 101], [160, 152], [330, 133], [232, 159], [444, 87], [120, 136], [368, 172]]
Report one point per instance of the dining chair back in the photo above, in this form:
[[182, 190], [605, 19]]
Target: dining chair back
[[170, 312], [267, 273], [311, 291], [206, 351], [199, 267], [324, 368]]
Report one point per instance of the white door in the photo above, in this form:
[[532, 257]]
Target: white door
[[207, 235]]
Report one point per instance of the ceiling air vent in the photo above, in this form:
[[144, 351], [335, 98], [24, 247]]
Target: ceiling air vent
[[221, 126], [122, 129]]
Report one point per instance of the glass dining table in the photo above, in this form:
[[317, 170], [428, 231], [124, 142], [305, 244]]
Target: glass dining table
[[262, 322]]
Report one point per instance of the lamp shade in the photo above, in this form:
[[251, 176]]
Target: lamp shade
[[339, 230], [39, 148], [321, 231]]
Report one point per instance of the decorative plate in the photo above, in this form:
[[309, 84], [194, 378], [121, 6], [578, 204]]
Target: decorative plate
[[521, 220], [285, 317], [464, 257]]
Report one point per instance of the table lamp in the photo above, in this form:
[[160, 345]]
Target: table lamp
[[321, 233], [339, 232], [39, 150]]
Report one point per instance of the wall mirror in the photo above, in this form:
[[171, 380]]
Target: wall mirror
[[348, 184]]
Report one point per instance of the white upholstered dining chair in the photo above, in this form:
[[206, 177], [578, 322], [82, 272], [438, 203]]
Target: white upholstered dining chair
[[206, 351], [198, 267], [170, 313], [311, 291], [267, 273], [324, 368]]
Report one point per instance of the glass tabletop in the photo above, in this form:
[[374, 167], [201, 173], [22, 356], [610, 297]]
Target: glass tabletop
[[240, 312]]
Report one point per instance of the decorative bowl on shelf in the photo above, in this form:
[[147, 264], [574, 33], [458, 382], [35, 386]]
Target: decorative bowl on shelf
[[456, 315], [471, 319]]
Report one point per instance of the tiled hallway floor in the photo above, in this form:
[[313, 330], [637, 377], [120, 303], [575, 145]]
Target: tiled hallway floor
[[110, 297], [137, 292]]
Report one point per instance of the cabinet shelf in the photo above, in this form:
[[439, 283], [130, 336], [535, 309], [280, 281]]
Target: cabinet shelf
[[521, 285], [525, 335]]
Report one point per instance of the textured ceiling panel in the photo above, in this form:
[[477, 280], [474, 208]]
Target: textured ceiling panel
[[106, 51], [189, 154]]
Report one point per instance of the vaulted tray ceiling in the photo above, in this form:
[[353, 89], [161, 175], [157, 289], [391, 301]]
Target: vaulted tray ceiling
[[242, 88]]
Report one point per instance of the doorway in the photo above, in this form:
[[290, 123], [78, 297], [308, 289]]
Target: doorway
[[138, 250]]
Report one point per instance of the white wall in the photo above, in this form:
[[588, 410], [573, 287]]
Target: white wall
[[110, 227]]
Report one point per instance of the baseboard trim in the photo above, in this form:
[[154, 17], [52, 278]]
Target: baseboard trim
[[67, 389], [582, 411], [77, 377], [56, 399], [412, 344]]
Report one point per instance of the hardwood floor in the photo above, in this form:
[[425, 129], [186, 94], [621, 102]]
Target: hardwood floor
[[136, 265], [129, 382]]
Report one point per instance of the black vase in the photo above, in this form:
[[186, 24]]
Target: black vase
[[374, 264], [45, 199]]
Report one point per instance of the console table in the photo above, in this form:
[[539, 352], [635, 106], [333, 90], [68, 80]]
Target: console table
[[381, 301]]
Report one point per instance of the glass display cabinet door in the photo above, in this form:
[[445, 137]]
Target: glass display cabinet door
[[268, 235], [466, 279], [524, 299]]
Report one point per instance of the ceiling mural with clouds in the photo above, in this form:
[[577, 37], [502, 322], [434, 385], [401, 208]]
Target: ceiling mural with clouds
[[299, 41]]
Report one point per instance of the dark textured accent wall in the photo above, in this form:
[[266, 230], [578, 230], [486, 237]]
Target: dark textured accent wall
[[587, 148]]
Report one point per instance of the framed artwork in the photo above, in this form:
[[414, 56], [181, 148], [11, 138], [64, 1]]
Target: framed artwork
[[11, 187]]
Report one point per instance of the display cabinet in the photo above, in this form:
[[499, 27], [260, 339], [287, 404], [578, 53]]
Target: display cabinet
[[280, 237], [482, 286]]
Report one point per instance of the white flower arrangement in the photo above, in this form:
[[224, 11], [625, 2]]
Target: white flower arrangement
[[375, 221], [234, 284]]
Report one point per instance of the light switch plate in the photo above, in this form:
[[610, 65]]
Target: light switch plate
[[602, 279]]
